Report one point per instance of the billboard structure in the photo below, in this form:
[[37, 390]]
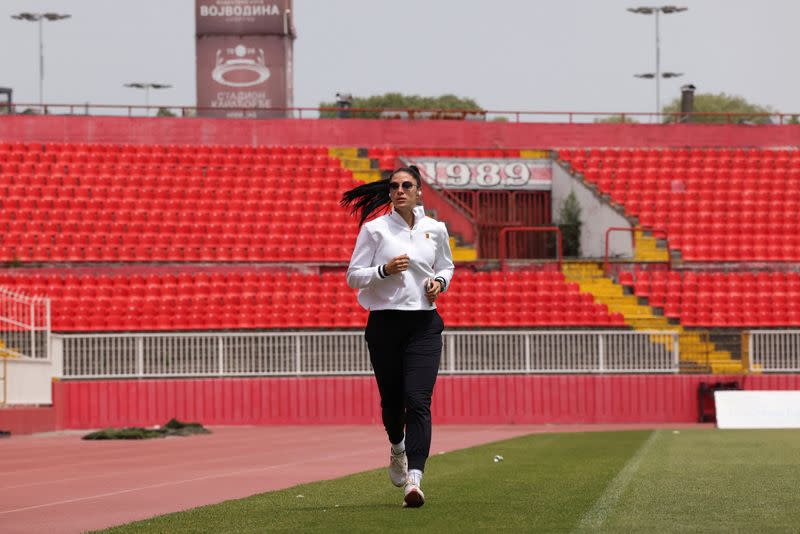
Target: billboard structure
[[244, 57]]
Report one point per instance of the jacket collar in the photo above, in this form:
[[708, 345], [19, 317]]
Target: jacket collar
[[419, 213]]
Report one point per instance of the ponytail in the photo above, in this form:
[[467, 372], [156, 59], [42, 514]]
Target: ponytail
[[367, 199]]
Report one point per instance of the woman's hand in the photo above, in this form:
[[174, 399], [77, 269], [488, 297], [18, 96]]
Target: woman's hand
[[396, 265], [433, 290]]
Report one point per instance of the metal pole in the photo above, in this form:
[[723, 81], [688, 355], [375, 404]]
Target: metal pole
[[658, 66], [147, 100], [601, 352], [139, 357], [41, 64], [33, 328], [220, 356], [49, 334]]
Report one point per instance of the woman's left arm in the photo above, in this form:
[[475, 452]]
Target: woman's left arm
[[443, 263]]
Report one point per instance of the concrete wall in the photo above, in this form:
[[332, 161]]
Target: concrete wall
[[30, 381], [596, 217], [395, 133]]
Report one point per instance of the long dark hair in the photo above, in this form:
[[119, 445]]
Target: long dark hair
[[367, 199]]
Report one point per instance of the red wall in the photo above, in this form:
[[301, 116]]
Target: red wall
[[366, 133], [490, 399], [28, 419]]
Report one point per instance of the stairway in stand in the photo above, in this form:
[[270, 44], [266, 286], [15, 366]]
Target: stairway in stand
[[698, 354], [649, 248]]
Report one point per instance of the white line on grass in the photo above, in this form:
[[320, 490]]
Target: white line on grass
[[594, 518]]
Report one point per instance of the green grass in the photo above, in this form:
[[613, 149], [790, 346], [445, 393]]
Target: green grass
[[699, 480]]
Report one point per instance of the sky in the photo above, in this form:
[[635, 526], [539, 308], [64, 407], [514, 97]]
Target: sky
[[526, 55]]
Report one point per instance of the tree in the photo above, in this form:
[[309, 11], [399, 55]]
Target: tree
[[617, 119], [164, 112], [570, 225], [398, 101], [740, 109]]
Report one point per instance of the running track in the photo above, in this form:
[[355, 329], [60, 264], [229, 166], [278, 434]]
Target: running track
[[57, 483]]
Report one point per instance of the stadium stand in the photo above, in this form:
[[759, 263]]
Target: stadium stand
[[78, 203], [722, 299], [153, 299], [126, 203], [131, 209], [715, 204]]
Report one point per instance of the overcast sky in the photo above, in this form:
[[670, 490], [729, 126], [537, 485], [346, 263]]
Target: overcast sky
[[533, 55]]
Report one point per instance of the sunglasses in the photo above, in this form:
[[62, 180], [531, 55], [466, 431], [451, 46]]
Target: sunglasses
[[394, 186]]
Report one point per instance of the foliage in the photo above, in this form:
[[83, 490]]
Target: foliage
[[616, 119], [401, 102], [570, 225], [164, 112], [172, 428], [741, 109]]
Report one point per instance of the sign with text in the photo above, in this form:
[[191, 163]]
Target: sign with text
[[486, 174], [241, 17], [244, 58], [757, 409], [242, 73]]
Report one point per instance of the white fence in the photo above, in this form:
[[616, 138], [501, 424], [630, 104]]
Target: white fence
[[774, 350], [345, 353], [24, 326]]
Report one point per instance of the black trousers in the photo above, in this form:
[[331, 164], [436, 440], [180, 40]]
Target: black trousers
[[405, 348]]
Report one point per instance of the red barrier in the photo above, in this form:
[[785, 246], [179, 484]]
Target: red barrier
[[27, 419], [396, 133], [489, 399], [399, 113], [535, 229]]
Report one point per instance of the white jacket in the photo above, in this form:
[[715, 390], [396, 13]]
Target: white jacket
[[428, 247]]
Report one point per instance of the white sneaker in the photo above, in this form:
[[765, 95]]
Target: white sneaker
[[398, 468], [414, 498]]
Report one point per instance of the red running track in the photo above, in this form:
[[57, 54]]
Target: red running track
[[57, 483]]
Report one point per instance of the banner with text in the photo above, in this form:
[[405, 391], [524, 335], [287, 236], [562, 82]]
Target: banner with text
[[486, 174], [240, 17]]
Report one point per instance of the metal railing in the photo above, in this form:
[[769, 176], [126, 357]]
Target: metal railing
[[345, 353], [517, 249], [773, 350], [24, 326], [632, 232], [396, 113]]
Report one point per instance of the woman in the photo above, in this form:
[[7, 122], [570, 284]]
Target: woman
[[400, 265]]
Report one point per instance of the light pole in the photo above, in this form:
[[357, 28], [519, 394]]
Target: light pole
[[147, 86], [667, 10], [40, 17]]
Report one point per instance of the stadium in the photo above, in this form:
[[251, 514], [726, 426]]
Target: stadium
[[613, 280]]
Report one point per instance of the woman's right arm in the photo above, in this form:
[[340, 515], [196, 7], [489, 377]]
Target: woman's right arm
[[361, 273]]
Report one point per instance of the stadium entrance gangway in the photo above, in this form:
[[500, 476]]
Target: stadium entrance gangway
[[24, 336]]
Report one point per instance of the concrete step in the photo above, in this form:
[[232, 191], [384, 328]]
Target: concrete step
[[696, 354], [356, 163], [349, 152], [367, 176]]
